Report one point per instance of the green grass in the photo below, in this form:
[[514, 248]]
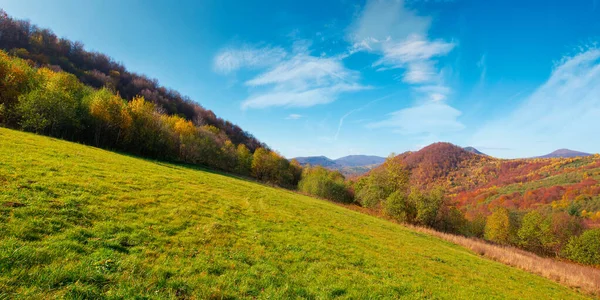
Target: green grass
[[96, 224]]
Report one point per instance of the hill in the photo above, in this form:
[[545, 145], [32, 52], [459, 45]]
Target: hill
[[317, 161], [562, 153], [477, 184], [473, 150], [351, 165], [80, 222], [359, 160]]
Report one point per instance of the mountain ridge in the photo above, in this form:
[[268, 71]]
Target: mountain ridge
[[564, 153]]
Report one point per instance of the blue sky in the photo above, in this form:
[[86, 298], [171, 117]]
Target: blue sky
[[334, 78]]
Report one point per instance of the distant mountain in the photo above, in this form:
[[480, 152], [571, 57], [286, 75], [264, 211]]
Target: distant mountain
[[317, 161], [348, 165], [473, 150], [359, 160], [564, 153]]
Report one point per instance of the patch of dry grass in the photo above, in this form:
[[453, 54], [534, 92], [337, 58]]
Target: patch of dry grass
[[570, 274]]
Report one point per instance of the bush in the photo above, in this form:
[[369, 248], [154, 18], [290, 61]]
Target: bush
[[585, 249], [54, 108], [271, 167], [324, 183], [399, 207], [428, 206], [535, 233], [381, 182], [500, 227]]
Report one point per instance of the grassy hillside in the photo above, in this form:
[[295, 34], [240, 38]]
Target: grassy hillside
[[79, 222]]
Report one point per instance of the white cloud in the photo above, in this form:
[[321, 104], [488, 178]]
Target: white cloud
[[294, 117], [399, 35], [293, 78], [414, 48], [382, 21], [564, 112], [300, 97], [415, 55], [430, 118], [433, 93], [304, 69], [302, 80], [230, 60]]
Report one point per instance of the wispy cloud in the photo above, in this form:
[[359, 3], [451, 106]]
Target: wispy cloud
[[293, 117], [385, 21], [302, 80], [400, 37], [482, 66], [414, 54], [230, 60], [433, 93], [565, 111], [346, 115], [293, 78]]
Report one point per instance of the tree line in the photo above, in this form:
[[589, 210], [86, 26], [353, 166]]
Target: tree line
[[57, 104], [44, 49]]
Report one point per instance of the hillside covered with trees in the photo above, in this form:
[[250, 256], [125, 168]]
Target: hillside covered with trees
[[42, 48], [547, 206]]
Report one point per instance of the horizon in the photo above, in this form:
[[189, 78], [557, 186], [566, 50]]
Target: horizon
[[338, 80], [463, 147]]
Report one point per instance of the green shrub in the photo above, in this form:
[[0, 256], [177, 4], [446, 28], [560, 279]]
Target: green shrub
[[535, 233], [374, 189], [585, 248], [399, 207], [54, 107], [325, 183], [428, 206]]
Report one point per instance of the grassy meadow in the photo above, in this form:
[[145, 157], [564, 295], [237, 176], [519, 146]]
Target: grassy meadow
[[78, 222]]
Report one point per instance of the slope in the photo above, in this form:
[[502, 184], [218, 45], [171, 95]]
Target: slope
[[479, 183], [79, 222]]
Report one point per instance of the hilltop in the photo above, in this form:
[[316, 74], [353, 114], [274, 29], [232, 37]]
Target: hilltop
[[359, 160], [317, 161], [478, 183], [473, 150], [81, 222], [562, 153]]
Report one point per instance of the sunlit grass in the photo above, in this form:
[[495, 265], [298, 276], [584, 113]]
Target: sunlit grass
[[79, 222]]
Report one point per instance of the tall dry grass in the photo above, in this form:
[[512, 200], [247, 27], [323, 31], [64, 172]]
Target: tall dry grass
[[584, 278], [570, 274]]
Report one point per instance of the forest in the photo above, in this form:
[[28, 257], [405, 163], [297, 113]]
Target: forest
[[52, 86]]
